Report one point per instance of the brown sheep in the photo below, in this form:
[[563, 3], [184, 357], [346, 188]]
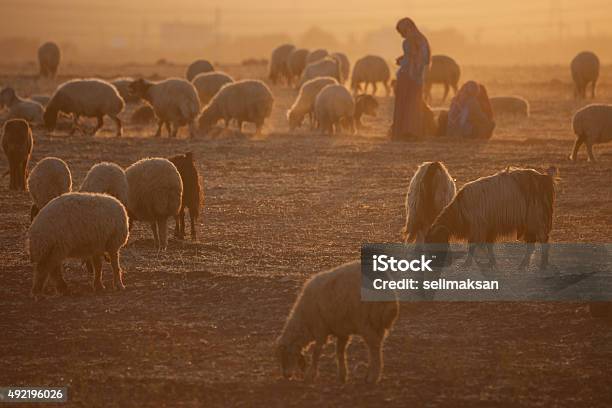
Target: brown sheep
[[444, 70], [49, 58], [585, 70], [17, 144], [193, 194], [198, 67], [364, 105]]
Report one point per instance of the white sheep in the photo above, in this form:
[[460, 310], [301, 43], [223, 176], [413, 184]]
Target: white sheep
[[345, 65], [106, 178], [511, 203], [592, 125], [316, 55], [334, 109], [370, 70], [20, 108], [49, 178], [244, 101], [330, 305], [430, 190], [198, 67], [49, 58], [77, 225], [123, 87], [208, 84], [174, 100], [509, 105], [327, 67], [297, 62], [585, 70], [92, 98], [155, 189], [304, 102], [279, 63]]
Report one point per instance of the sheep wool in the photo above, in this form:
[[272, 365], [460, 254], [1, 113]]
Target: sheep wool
[[50, 178], [107, 178], [123, 87], [208, 84], [592, 125], [370, 70], [335, 108], [304, 102], [327, 67], [198, 67], [279, 63], [585, 70], [48, 59], [297, 62], [345, 65], [330, 305], [443, 70], [316, 55], [510, 105], [77, 225]]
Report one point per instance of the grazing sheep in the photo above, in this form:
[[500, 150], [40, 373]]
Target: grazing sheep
[[123, 87], [193, 193], [48, 59], [143, 115], [106, 178], [154, 194], [208, 84], [49, 178], [430, 190], [20, 108], [279, 67], [585, 70], [345, 65], [370, 70], [304, 103], [91, 98], [198, 67], [297, 62], [330, 305], [509, 105], [443, 70], [364, 105], [335, 108], [17, 145], [513, 202], [246, 101], [316, 55], [327, 67], [77, 225], [592, 125], [175, 102], [42, 99]]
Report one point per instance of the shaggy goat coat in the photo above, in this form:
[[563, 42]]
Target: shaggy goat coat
[[592, 125], [49, 178], [430, 190], [334, 108], [304, 102], [77, 225], [370, 70], [330, 305], [17, 145], [107, 178]]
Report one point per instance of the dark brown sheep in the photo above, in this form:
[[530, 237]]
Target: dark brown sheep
[[17, 144], [585, 71], [445, 71], [193, 194], [364, 105]]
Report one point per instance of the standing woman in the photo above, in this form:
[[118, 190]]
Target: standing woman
[[408, 114]]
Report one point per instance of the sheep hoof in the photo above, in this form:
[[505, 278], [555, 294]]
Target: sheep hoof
[[119, 287], [98, 287]]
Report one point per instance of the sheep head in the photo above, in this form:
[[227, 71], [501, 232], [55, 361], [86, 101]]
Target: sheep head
[[366, 105], [7, 96], [208, 118], [140, 87], [291, 359], [295, 120]]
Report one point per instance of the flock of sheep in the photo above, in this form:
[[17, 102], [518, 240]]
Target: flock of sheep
[[96, 218]]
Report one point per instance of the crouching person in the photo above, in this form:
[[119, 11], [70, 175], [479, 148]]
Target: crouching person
[[470, 114]]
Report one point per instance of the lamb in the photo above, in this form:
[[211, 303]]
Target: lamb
[[509, 105], [364, 105], [49, 178], [49, 58], [92, 98], [20, 108], [123, 87], [370, 70], [198, 67], [143, 115], [443, 70], [592, 125], [335, 108], [297, 62], [154, 194], [193, 194], [208, 84], [316, 55], [430, 190], [323, 68], [106, 178], [345, 65], [330, 305], [17, 144], [77, 225], [245, 101], [304, 103], [513, 202], [278, 63], [585, 70], [174, 100]]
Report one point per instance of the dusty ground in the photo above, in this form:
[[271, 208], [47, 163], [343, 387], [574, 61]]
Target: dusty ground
[[197, 323]]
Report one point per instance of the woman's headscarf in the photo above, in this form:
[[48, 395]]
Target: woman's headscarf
[[420, 54], [470, 89]]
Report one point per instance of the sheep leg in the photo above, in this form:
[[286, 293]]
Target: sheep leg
[[60, 283], [593, 84], [529, 249], [589, 147], [192, 129], [174, 131], [96, 264], [193, 218], [470, 255], [313, 370], [99, 125], [341, 344], [22, 176], [374, 88], [162, 228], [75, 124], [387, 88], [117, 272], [179, 224], [155, 234], [160, 123], [40, 277], [446, 89], [374, 342], [577, 144], [119, 126]]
